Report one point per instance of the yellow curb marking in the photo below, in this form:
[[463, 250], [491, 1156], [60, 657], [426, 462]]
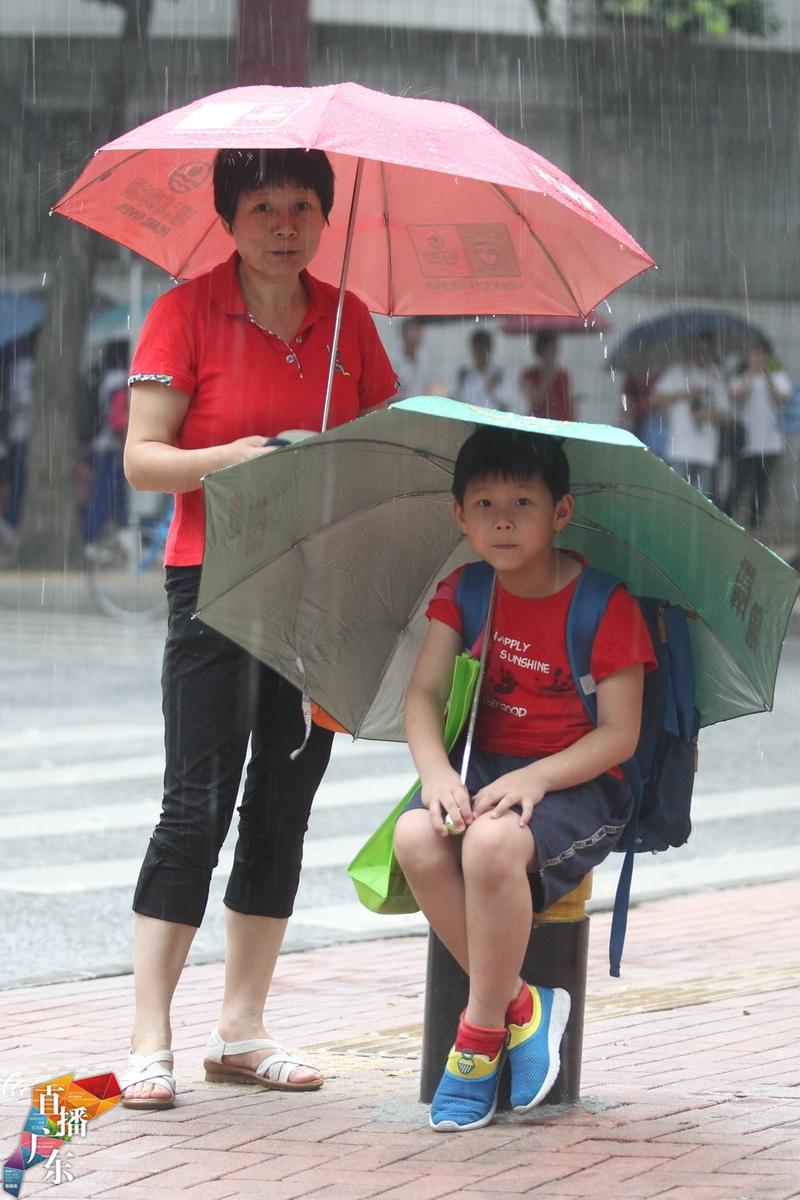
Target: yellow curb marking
[[405, 1042]]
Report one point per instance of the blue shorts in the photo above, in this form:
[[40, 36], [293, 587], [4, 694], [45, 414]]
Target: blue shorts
[[574, 829]]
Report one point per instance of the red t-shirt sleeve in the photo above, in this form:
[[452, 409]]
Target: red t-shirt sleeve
[[378, 379], [444, 605], [622, 638], [166, 348]]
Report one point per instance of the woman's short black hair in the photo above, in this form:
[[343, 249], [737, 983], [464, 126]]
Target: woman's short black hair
[[239, 171], [508, 454]]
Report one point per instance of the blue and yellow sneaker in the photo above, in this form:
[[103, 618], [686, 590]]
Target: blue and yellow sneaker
[[533, 1048], [467, 1093]]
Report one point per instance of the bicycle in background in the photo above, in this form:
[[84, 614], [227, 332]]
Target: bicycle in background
[[125, 564]]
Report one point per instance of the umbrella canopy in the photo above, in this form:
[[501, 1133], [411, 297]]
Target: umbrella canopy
[[525, 326], [321, 558], [20, 314], [653, 346], [452, 216]]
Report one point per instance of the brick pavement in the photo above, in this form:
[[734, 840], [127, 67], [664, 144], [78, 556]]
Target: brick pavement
[[691, 1079]]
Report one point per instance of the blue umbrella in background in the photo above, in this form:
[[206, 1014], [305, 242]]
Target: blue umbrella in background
[[653, 346], [20, 314]]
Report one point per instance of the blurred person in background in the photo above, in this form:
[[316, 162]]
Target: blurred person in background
[[108, 498], [545, 386], [411, 364], [17, 399], [693, 399], [758, 393], [484, 383]]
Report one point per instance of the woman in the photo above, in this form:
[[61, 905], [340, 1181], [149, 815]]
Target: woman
[[758, 396], [223, 363]]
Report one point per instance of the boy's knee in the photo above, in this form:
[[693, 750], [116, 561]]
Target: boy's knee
[[413, 838], [494, 846]]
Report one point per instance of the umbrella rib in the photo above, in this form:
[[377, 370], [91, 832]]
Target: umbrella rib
[[195, 247], [503, 194], [388, 232], [108, 171]]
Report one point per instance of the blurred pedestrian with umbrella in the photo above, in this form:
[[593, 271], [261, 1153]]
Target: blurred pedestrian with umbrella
[[758, 393], [224, 364]]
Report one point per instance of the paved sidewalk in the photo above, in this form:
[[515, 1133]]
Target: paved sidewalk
[[691, 1080]]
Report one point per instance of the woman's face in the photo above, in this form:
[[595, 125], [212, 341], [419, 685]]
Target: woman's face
[[277, 230]]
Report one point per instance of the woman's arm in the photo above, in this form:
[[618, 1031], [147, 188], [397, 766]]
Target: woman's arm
[[153, 463], [619, 716], [426, 697]]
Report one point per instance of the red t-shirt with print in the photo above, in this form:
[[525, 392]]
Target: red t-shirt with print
[[529, 705]]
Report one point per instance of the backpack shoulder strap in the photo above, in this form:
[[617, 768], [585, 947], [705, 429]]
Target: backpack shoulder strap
[[472, 597], [586, 611], [589, 603]]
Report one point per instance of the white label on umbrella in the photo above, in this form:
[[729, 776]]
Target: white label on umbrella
[[214, 116]]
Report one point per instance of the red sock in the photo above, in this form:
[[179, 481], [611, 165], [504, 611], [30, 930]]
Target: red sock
[[520, 1010], [479, 1038]]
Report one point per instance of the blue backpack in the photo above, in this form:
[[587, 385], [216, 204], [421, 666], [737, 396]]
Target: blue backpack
[[661, 771]]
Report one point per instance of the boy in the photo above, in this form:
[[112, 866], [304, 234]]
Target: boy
[[545, 800]]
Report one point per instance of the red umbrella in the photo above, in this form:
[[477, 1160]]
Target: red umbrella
[[593, 322], [452, 216]]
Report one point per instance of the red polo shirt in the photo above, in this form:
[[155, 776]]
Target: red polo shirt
[[242, 380]]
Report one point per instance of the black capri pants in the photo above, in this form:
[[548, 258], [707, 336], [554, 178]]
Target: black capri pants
[[217, 697]]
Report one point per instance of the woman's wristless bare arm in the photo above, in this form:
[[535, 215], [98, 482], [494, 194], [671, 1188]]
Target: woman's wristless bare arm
[[152, 460]]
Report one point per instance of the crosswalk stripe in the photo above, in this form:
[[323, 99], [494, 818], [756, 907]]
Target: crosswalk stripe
[[115, 770], [97, 875], [340, 794], [655, 876], [356, 792], [79, 735]]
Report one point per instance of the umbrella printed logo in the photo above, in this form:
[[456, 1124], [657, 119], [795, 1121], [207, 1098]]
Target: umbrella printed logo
[[61, 1110], [189, 176], [481, 250]]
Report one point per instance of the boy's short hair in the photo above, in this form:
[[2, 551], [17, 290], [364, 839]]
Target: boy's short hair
[[509, 454], [239, 171]]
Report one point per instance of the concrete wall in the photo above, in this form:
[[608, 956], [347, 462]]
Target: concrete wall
[[693, 147]]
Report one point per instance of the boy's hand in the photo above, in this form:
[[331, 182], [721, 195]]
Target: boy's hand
[[443, 793], [517, 788]]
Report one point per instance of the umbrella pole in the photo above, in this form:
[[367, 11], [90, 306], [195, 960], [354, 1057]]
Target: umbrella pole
[[473, 715], [351, 225]]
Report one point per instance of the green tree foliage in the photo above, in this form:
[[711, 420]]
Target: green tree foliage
[[716, 17]]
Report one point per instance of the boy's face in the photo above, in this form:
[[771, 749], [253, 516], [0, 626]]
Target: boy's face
[[511, 523]]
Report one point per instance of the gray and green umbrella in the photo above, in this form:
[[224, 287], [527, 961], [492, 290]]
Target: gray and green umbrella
[[321, 557]]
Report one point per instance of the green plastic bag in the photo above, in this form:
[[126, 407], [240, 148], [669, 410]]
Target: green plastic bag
[[380, 884]]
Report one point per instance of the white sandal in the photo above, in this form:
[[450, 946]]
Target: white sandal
[[149, 1068], [273, 1072]]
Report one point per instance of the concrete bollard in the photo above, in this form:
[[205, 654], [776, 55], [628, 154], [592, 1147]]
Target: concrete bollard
[[557, 955]]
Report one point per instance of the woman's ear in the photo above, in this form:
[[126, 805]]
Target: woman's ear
[[564, 510]]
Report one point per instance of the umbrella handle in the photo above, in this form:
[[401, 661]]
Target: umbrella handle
[[473, 715], [351, 225]]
